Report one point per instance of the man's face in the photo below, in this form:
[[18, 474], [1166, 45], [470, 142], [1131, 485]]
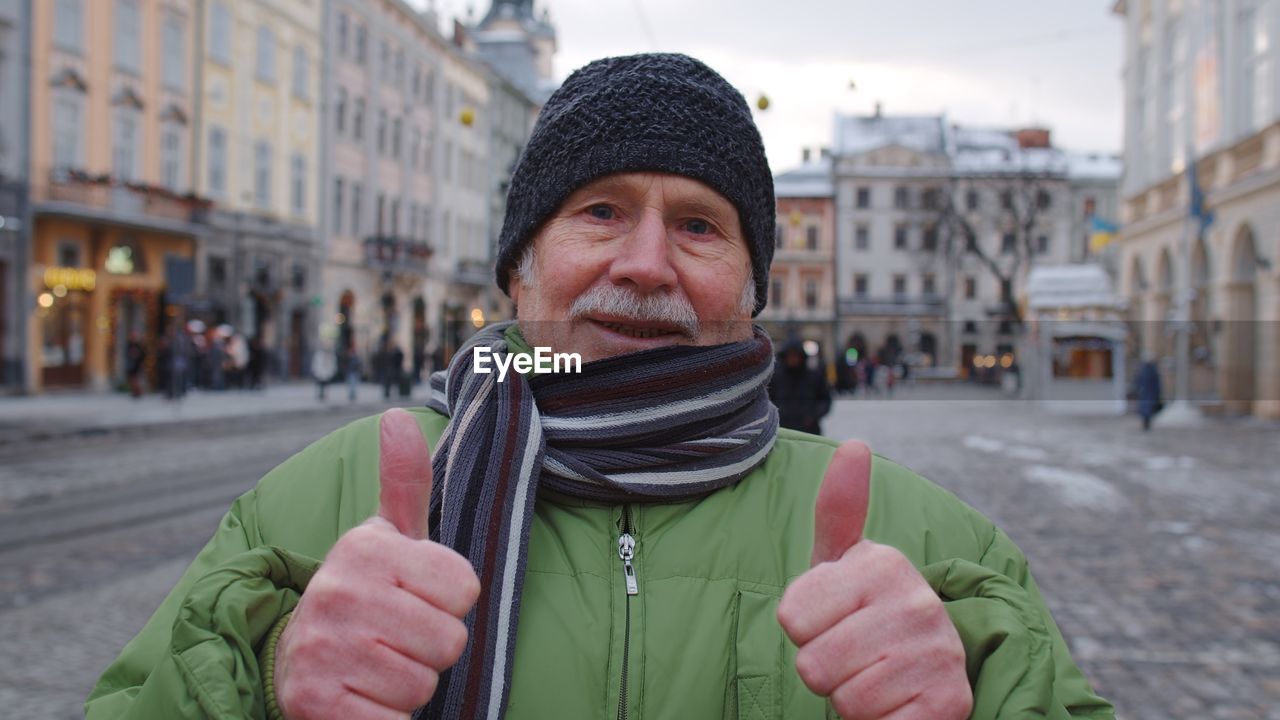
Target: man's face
[[636, 261]]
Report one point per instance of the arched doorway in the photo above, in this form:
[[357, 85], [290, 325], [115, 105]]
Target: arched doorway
[[1237, 379]]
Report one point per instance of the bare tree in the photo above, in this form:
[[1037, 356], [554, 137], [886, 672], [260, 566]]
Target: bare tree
[[1023, 199]]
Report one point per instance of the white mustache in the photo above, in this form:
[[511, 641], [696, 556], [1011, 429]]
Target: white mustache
[[667, 308]]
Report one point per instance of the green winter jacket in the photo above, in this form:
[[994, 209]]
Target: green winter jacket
[[702, 637]]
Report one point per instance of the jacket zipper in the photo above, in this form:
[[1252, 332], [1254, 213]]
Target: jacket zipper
[[626, 551]]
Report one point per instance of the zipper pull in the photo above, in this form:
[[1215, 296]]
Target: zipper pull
[[626, 551]]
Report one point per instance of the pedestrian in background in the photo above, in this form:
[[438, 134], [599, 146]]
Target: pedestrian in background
[[323, 367], [1148, 387], [801, 393], [135, 355], [351, 368]]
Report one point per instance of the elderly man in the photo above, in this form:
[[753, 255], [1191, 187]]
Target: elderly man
[[638, 539]]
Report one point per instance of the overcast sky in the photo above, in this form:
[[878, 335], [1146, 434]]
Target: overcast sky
[[982, 62]]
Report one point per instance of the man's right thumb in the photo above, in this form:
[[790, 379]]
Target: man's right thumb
[[404, 469]]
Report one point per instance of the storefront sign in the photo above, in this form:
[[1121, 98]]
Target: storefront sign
[[71, 278], [120, 260]]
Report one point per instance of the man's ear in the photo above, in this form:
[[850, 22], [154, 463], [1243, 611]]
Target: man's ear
[[514, 286]]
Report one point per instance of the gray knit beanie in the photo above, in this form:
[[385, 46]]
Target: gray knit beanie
[[643, 113]]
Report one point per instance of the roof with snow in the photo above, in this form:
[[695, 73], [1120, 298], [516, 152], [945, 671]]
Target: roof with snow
[[1055, 287], [810, 180], [859, 134]]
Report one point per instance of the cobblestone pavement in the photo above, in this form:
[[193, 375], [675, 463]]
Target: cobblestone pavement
[[1159, 553]]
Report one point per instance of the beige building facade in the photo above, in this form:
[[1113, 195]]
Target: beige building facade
[[116, 219], [1200, 85], [257, 157]]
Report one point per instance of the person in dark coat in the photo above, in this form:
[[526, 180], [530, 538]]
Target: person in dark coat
[[1148, 386], [135, 355], [801, 394]]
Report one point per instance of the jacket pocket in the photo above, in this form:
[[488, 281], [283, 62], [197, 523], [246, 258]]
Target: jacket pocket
[[758, 656]]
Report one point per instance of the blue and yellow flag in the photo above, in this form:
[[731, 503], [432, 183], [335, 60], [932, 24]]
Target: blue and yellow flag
[[1101, 233]]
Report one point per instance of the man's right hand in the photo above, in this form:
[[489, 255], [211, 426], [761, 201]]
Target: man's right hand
[[383, 615]]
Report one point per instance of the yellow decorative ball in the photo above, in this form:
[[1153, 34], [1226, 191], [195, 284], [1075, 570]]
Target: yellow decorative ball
[[467, 117], [762, 102]]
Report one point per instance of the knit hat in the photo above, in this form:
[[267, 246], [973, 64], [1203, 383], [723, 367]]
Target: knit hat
[[643, 113]]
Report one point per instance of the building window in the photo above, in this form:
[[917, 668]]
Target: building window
[[970, 327], [262, 174], [337, 204], [385, 56], [811, 294], [301, 72], [173, 40], [1042, 244], [220, 33], [217, 161], [864, 198], [343, 31], [357, 119], [901, 199], [861, 237], [428, 87], [356, 192], [860, 285], [417, 81], [340, 111], [394, 220], [362, 42], [1006, 200], [413, 220], [1043, 200], [380, 214], [415, 147], [266, 69], [448, 161], [899, 286], [124, 149], [1253, 41], [396, 128], [971, 200], [171, 156], [399, 67], [1008, 243], [299, 167], [900, 237], [928, 285], [811, 237], [382, 131], [217, 272], [929, 241], [779, 235], [68, 24], [929, 199], [299, 277], [776, 292], [68, 128], [128, 45], [970, 288]]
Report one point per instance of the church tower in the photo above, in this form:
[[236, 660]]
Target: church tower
[[519, 43]]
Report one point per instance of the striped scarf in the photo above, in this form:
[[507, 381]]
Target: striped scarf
[[661, 425]]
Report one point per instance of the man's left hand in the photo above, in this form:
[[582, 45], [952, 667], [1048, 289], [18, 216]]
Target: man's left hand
[[873, 637]]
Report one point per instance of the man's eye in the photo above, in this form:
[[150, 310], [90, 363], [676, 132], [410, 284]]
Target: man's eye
[[601, 212], [698, 227]]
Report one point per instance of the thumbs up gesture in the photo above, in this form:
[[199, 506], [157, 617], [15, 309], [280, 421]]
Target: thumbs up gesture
[[383, 616], [872, 635]]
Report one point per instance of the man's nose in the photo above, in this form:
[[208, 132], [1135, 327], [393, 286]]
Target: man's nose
[[644, 259]]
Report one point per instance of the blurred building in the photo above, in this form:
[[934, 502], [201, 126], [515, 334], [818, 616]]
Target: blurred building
[[1202, 94], [519, 45], [15, 300], [934, 219], [802, 277], [257, 140], [381, 158], [116, 213]]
